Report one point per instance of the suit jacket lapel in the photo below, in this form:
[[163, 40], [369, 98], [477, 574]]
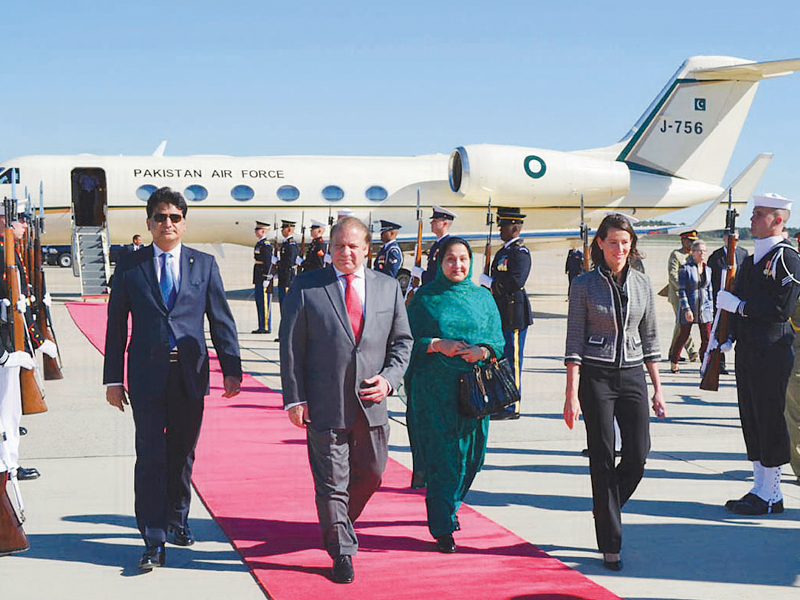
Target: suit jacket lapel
[[334, 291], [187, 264], [149, 271], [369, 277]]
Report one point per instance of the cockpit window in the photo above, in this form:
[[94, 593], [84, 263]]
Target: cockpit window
[[5, 176]]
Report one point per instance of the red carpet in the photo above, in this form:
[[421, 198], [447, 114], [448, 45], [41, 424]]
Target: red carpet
[[253, 475]]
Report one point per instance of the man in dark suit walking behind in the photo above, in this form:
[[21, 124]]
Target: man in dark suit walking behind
[[345, 344], [168, 288]]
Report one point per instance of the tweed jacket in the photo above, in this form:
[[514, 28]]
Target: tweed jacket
[[595, 312], [694, 294]]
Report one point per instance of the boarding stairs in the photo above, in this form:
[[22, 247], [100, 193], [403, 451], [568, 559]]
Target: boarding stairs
[[90, 260]]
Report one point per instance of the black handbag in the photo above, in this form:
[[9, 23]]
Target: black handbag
[[487, 388]]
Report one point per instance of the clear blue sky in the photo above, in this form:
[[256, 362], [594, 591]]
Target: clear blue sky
[[376, 78]]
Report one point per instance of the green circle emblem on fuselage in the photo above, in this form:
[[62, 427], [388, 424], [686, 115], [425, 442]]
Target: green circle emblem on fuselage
[[535, 174]]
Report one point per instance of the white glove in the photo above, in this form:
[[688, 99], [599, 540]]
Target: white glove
[[485, 281], [727, 301], [265, 283], [298, 261], [713, 344], [727, 346], [416, 272], [20, 359], [48, 347], [274, 260], [48, 301], [328, 259], [22, 306]]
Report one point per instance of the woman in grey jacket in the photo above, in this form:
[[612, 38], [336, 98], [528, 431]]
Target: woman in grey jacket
[[611, 333], [695, 302]]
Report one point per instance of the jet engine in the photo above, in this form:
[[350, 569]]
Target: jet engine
[[533, 176]]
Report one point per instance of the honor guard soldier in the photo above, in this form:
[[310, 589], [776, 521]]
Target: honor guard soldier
[[11, 361], [764, 295], [390, 257], [510, 269], [262, 273], [286, 259], [441, 220], [315, 253]]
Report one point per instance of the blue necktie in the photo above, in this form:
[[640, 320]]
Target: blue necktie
[[167, 284]]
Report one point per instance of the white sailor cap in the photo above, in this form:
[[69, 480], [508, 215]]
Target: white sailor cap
[[631, 219], [442, 213], [344, 212], [773, 201], [315, 223]]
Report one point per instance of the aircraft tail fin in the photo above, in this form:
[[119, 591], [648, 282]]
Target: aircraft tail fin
[[691, 128], [159, 151]]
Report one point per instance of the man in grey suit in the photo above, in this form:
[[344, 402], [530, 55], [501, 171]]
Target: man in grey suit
[[168, 289], [345, 345]]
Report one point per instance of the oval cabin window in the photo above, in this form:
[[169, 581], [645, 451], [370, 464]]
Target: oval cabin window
[[333, 193]]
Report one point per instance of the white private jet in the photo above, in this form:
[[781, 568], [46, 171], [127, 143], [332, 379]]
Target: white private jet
[[673, 157]]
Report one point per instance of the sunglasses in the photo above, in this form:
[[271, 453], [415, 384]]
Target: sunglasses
[[162, 217]]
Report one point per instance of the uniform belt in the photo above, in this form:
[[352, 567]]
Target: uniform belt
[[173, 356], [260, 262]]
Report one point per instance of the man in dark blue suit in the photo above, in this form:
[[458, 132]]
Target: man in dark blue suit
[[168, 288]]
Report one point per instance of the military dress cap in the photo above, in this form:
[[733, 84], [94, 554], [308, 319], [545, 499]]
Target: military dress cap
[[509, 216], [442, 213], [315, 223], [344, 212], [689, 234], [773, 201], [285, 223], [260, 225], [388, 225]]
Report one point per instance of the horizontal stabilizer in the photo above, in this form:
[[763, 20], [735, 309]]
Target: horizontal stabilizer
[[750, 71], [742, 189]]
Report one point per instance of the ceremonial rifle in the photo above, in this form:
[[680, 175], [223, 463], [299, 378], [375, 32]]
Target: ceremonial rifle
[[52, 369], [271, 275], [416, 281], [302, 234], [32, 395], [369, 249], [487, 259], [584, 239], [712, 359]]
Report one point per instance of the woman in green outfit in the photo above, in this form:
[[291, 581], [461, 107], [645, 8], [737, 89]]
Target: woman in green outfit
[[450, 318]]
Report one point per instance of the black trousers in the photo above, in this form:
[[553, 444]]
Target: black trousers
[[762, 374], [347, 465], [167, 429], [604, 394]]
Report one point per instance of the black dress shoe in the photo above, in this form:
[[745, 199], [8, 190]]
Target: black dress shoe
[[751, 504], [342, 570], [259, 331], [23, 431], [446, 544], [153, 557], [180, 536], [505, 415], [612, 564], [24, 474]]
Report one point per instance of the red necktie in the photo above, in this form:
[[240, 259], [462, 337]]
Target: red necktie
[[353, 304]]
